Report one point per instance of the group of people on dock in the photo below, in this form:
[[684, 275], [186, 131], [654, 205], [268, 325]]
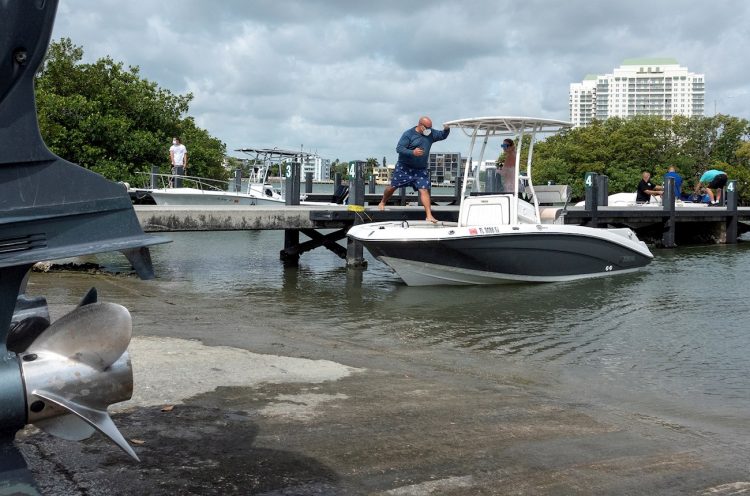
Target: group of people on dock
[[712, 182]]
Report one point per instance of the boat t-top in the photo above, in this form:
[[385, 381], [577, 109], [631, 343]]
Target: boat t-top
[[500, 238]]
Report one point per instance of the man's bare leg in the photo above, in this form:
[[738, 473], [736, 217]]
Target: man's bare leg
[[386, 196], [424, 197]]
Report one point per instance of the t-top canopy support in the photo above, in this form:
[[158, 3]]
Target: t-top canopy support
[[485, 128]]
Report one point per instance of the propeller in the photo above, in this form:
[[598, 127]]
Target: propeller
[[78, 366]]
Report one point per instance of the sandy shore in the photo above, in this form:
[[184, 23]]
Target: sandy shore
[[267, 410]]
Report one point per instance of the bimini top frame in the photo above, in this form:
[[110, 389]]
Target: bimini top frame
[[267, 157], [485, 128]]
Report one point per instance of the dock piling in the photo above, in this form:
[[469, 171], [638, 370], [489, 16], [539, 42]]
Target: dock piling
[[457, 190], [354, 250], [731, 197], [591, 184], [668, 205], [308, 182], [288, 255]]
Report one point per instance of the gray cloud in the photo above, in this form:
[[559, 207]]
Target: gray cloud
[[346, 78]]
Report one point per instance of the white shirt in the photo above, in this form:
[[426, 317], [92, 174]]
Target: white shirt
[[178, 153]]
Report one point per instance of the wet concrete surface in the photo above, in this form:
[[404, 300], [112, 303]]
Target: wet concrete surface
[[355, 418]]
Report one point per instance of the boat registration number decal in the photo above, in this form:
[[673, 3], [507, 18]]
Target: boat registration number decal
[[484, 230]]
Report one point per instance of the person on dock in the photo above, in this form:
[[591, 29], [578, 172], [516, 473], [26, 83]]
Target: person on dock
[[647, 189], [712, 179], [178, 159], [412, 168], [671, 172], [507, 169]]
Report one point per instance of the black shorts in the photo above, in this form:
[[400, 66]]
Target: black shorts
[[718, 182]]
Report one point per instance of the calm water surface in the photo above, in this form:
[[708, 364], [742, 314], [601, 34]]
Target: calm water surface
[[674, 336]]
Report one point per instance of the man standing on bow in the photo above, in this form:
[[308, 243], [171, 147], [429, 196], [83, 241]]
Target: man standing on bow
[[412, 168]]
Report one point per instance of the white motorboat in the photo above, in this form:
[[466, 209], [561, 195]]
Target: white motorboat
[[628, 200], [202, 191], [500, 238]]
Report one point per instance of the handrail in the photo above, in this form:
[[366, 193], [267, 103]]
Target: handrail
[[200, 182]]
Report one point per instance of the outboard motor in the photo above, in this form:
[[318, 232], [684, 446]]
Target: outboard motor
[[60, 376]]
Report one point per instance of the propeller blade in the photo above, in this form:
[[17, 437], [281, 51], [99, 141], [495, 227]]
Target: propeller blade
[[98, 419], [70, 427], [96, 334], [30, 319], [90, 297], [78, 367]]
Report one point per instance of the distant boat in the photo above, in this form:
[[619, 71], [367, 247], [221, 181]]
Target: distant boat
[[204, 192], [628, 200]]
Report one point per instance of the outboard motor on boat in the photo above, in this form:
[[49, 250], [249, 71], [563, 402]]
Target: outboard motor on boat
[[61, 376]]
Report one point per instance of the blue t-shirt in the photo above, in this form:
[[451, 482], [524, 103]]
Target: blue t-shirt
[[709, 175], [677, 183], [411, 140]]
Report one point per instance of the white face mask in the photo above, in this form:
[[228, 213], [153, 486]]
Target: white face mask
[[427, 131], [174, 142]]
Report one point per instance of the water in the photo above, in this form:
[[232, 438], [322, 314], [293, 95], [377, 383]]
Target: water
[[672, 338]]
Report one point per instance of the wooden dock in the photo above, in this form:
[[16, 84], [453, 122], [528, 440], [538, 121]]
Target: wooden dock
[[154, 218], [664, 225]]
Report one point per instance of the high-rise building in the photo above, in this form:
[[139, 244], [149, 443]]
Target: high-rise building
[[638, 87], [444, 167]]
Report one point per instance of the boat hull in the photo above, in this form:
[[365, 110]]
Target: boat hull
[[190, 196], [505, 255]]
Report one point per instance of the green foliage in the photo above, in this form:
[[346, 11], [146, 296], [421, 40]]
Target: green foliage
[[372, 163], [110, 120], [623, 148]]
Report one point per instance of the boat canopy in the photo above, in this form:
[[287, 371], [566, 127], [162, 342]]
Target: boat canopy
[[277, 153], [484, 128], [505, 126]]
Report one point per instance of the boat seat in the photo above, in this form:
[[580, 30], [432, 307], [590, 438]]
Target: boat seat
[[485, 210]]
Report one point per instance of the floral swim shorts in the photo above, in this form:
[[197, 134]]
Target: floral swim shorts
[[406, 176]]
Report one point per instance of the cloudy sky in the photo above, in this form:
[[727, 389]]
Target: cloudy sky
[[345, 78]]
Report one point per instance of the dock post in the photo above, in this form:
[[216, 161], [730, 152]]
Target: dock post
[[371, 185], [667, 201], [291, 236], [731, 198], [336, 182], [402, 196], [154, 176], [590, 183], [602, 190], [491, 181], [457, 190], [354, 250], [308, 182], [237, 180]]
